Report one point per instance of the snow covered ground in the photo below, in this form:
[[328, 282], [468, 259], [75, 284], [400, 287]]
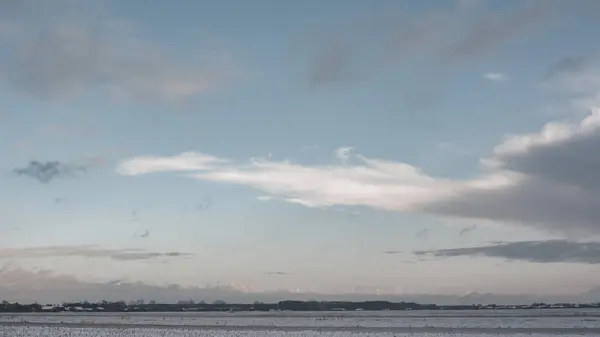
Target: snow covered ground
[[89, 332], [291, 324], [338, 320]]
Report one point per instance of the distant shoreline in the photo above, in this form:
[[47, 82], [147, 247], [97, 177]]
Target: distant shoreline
[[295, 314], [296, 306]]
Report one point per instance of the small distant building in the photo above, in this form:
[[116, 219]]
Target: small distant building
[[48, 308]]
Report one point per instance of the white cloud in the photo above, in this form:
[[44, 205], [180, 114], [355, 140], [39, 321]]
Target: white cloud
[[495, 77], [343, 153], [187, 161], [547, 180], [375, 183]]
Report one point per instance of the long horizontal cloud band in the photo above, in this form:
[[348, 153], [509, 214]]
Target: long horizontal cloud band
[[86, 251], [548, 180], [550, 251]]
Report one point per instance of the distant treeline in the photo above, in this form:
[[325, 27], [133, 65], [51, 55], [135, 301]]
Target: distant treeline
[[141, 306]]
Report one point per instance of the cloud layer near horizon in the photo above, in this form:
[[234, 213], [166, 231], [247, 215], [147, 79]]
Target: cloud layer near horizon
[[85, 251], [46, 286], [547, 180], [550, 251]]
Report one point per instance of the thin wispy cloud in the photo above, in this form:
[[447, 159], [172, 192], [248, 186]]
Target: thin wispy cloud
[[422, 233], [331, 64], [470, 4], [567, 66], [343, 153], [449, 38], [453, 148], [187, 161], [204, 204], [467, 230], [498, 27], [311, 147], [550, 251], [85, 251], [277, 273], [495, 77], [576, 75], [76, 50]]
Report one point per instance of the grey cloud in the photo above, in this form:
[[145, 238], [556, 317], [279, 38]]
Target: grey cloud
[[45, 286], [498, 27], [467, 230], [131, 256], [446, 38], [558, 187], [536, 203], [72, 51], [13, 10], [176, 254], [566, 66], [45, 172], [570, 162], [331, 64], [422, 233], [276, 273], [392, 252], [550, 251], [456, 36], [470, 4], [204, 204], [85, 252]]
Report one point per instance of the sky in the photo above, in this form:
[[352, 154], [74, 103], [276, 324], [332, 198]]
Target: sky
[[281, 148]]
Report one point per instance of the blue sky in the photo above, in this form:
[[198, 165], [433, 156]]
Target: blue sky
[[312, 146]]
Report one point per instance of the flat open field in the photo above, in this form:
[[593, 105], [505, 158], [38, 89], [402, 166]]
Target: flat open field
[[303, 324]]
